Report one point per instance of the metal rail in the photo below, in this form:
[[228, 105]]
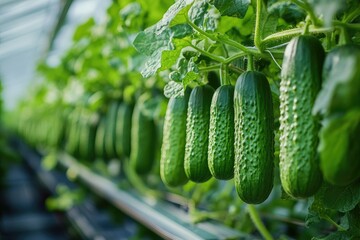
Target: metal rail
[[163, 218]]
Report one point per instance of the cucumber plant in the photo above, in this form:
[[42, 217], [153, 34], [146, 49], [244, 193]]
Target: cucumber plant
[[274, 45]]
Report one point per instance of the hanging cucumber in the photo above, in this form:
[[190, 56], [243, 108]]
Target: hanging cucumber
[[110, 130], [300, 82], [88, 136], [99, 138], [173, 145], [143, 135], [197, 134], [336, 101], [123, 130], [254, 137], [221, 133]]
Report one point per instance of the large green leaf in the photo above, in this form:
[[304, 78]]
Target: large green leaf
[[232, 8], [341, 86], [149, 42], [342, 199], [339, 149], [204, 15]]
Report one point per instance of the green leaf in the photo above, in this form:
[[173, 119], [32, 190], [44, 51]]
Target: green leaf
[[49, 161], [336, 236], [181, 30], [170, 57], [84, 30], [158, 38], [150, 43], [232, 8], [235, 27], [317, 211], [338, 144], [204, 15], [170, 14], [151, 65], [341, 86], [173, 89], [187, 71], [268, 22], [288, 11], [327, 9], [130, 11], [354, 221], [342, 199]]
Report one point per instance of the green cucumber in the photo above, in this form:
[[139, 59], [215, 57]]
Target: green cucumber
[[337, 102], [123, 130], [88, 137], [300, 83], [143, 138], [99, 138], [72, 145], [221, 133], [173, 144], [197, 134], [254, 137], [110, 130]]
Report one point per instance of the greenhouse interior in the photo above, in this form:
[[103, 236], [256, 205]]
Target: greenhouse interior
[[179, 119]]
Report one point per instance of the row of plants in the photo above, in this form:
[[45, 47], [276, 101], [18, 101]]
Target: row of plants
[[224, 104]]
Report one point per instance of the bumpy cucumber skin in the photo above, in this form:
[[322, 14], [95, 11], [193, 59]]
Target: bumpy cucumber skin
[[143, 137], [300, 82], [254, 137], [173, 144], [221, 133], [197, 134]]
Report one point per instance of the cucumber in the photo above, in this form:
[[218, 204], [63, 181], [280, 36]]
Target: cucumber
[[99, 138], [88, 137], [83, 132], [336, 102], [110, 130], [73, 133], [300, 82], [173, 144], [197, 134], [143, 138], [221, 133], [254, 137], [123, 130]]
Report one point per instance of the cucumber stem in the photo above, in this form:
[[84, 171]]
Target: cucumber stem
[[220, 39], [328, 41], [344, 37], [257, 36], [210, 55], [210, 68], [223, 75], [340, 228], [234, 57], [307, 25], [254, 215], [288, 34], [250, 63], [352, 15], [199, 30]]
